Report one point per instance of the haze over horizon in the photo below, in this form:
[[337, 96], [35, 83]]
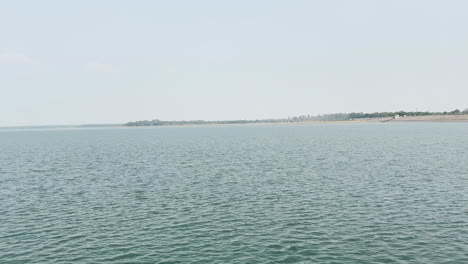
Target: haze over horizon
[[89, 62]]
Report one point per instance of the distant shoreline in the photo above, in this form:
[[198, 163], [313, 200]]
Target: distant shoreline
[[405, 119], [357, 121], [420, 118], [455, 115]]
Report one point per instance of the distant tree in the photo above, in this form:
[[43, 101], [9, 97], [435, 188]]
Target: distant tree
[[324, 117]]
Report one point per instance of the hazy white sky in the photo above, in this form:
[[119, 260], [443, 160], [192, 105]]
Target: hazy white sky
[[74, 62]]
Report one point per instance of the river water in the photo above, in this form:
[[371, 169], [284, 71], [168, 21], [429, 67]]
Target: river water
[[335, 193]]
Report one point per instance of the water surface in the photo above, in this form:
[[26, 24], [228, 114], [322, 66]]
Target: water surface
[[342, 193]]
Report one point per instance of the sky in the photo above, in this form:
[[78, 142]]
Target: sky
[[87, 62]]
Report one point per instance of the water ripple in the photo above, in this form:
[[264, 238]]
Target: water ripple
[[367, 193]]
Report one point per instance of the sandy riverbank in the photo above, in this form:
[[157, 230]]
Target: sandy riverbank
[[433, 118]]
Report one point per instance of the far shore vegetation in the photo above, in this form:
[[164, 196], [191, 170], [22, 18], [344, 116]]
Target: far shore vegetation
[[302, 118]]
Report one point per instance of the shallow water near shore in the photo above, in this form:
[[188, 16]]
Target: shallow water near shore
[[336, 193]]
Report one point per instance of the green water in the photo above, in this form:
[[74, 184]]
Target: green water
[[344, 193]]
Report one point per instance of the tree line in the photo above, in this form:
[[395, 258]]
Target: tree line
[[302, 118]]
